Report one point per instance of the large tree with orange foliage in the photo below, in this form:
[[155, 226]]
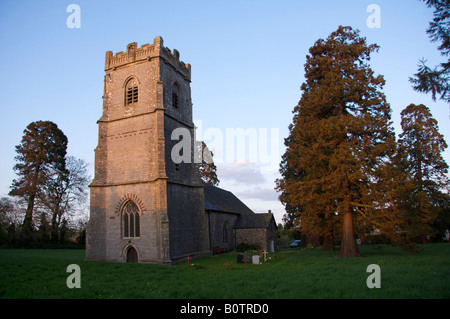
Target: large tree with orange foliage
[[341, 140]]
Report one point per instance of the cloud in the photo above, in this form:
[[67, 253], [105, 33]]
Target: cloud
[[241, 173], [264, 194]]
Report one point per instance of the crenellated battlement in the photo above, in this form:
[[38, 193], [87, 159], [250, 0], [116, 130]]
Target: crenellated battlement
[[147, 52]]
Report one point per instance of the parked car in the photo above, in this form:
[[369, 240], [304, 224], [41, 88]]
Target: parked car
[[295, 243]]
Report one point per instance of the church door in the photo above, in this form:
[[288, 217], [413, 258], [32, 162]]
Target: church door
[[132, 256]]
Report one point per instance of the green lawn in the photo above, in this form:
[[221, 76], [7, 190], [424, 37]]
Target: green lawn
[[305, 273]]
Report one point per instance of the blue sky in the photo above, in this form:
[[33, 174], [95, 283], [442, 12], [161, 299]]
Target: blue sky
[[247, 62]]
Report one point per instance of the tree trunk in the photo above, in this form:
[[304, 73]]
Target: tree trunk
[[314, 240], [54, 228], [328, 242], [27, 222], [348, 243]]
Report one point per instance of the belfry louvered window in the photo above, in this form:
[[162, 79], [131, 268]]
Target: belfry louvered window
[[131, 222], [131, 92]]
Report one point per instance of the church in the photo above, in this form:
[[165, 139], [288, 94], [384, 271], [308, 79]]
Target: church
[[145, 207]]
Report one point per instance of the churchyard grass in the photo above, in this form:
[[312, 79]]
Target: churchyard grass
[[304, 273]]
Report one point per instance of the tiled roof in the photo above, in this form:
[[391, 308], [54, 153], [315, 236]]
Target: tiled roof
[[220, 200], [254, 221]]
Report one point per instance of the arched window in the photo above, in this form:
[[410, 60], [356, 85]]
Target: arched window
[[131, 92], [175, 96], [131, 223], [225, 233]]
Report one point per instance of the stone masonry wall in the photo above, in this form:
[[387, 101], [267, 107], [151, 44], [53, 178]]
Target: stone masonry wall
[[253, 236]]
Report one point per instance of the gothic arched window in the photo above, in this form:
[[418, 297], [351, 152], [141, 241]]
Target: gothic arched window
[[175, 96], [225, 233], [131, 222], [131, 92]]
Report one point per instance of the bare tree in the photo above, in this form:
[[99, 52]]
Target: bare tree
[[65, 192], [207, 168]]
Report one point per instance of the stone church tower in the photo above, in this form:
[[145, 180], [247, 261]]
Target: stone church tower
[[145, 207]]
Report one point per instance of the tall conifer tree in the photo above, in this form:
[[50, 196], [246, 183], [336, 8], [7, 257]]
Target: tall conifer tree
[[40, 154], [424, 170], [436, 81], [340, 140]]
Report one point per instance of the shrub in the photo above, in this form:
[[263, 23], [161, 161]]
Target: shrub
[[245, 247]]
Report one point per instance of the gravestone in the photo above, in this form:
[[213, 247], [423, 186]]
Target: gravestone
[[255, 260], [240, 258]]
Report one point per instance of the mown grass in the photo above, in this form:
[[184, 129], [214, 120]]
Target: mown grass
[[305, 273]]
